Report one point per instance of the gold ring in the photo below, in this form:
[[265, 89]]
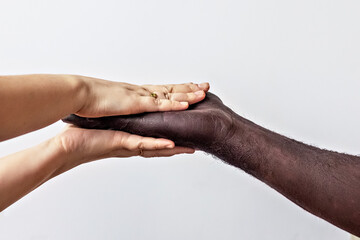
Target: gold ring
[[154, 95]]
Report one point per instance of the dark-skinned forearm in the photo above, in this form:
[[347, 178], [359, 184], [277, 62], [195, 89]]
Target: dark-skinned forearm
[[324, 183]]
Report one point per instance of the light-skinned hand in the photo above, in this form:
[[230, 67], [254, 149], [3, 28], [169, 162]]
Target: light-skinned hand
[[108, 98]]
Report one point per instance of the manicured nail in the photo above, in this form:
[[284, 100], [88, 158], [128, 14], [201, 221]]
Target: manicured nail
[[199, 93]]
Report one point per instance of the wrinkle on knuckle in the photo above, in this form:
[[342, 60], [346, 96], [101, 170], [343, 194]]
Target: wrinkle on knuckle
[[140, 145], [144, 91], [167, 95], [157, 145], [165, 89], [156, 101]]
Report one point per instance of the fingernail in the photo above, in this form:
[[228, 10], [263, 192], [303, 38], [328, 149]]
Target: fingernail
[[169, 146], [199, 93], [202, 85], [184, 103]]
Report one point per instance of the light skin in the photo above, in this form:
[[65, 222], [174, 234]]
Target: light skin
[[52, 97]]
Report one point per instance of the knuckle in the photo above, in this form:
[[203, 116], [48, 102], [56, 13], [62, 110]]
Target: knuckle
[[157, 145], [144, 91], [156, 101], [192, 87], [168, 88], [140, 145], [165, 89], [174, 103], [167, 95], [132, 147]]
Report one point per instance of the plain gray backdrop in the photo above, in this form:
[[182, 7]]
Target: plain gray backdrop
[[290, 66]]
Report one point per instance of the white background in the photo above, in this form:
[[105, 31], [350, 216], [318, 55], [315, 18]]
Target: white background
[[290, 66]]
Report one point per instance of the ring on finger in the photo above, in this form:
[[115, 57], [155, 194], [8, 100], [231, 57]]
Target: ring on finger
[[154, 95]]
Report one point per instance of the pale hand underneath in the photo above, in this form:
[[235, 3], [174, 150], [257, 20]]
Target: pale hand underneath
[[86, 145]]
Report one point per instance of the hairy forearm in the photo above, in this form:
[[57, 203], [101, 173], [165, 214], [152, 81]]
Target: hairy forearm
[[22, 172], [324, 183], [48, 97]]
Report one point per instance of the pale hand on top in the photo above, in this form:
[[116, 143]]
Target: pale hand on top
[[108, 98]]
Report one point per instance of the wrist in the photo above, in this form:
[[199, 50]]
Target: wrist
[[62, 155], [81, 89], [243, 146]]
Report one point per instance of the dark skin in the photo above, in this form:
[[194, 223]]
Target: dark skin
[[322, 182]]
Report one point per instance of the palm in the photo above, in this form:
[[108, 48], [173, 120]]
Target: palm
[[89, 142]]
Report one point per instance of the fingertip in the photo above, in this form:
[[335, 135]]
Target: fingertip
[[204, 86], [184, 105], [186, 150], [197, 96], [170, 146], [165, 143], [200, 93], [190, 151]]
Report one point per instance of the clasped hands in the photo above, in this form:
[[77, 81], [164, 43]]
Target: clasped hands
[[106, 98], [278, 161]]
